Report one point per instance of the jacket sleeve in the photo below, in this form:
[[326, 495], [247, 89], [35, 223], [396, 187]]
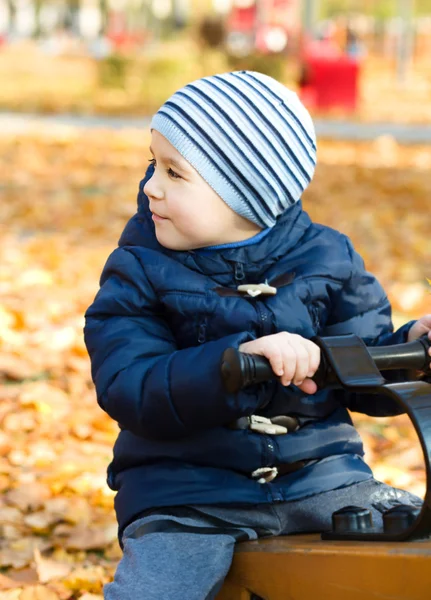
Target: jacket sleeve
[[362, 308], [142, 380]]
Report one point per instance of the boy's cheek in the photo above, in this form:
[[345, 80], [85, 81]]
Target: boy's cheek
[[170, 238]]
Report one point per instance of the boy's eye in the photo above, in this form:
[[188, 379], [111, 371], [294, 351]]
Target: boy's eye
[[173, 174], [169, 171]]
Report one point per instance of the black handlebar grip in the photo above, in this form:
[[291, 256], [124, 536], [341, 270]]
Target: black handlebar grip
[[412, 355], [240, 370]]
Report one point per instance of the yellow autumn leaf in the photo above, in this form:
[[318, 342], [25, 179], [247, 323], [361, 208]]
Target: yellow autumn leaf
[[89, 579], [38, 592], [48, 569], [11, 594]]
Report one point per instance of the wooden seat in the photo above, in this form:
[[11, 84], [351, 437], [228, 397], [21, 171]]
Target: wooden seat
[[303, 567]]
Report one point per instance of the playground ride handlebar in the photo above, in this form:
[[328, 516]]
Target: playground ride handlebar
[[347, 363]]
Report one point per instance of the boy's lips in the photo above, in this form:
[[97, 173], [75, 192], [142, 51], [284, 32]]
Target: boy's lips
[[157, 217]]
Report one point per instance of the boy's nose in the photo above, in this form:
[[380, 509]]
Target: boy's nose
[[152, 189]]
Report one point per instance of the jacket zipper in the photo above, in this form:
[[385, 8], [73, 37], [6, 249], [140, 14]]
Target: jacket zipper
[[268, 449], [202, 332], [268, 444], [239, 272], [264, 318]]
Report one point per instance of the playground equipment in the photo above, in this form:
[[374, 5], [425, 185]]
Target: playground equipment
[[354, 560]]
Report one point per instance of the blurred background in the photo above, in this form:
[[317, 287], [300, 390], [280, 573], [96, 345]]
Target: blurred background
[[79, 80]]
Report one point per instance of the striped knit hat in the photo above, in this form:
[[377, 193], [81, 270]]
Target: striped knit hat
[[248, 136]]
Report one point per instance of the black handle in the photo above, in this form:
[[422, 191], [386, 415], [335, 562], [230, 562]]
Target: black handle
[[413, 355], [240, 370]]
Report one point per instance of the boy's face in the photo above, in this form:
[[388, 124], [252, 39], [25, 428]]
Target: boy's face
[[187, 212]]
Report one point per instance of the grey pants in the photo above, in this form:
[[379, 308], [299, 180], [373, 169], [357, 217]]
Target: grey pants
[[184, 553]]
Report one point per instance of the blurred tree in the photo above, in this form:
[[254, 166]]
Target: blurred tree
[[37, 24], [212, 32], [71, 16], [11, 4], [405, 41], [103, 8], [180, 13], [309, 13]]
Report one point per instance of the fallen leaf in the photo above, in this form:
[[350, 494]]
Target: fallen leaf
[[11, 595], [38, 592], [48, 570], [90, 579], [6, 583], [28, 496], [24, 577], [84, 538]]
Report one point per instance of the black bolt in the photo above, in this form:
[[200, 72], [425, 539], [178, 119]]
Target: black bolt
[[351, 518], [400, 518]]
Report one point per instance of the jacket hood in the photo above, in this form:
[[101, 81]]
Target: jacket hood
[[256, 258]]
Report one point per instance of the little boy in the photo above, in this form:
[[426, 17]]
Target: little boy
[[220, 208]]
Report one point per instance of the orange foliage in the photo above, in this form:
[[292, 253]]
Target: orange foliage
[[65, 199]]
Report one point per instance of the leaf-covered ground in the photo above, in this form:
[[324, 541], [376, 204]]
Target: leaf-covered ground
[[65, 197]]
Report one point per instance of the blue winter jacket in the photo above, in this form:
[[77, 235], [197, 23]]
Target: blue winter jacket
[[156, 332]]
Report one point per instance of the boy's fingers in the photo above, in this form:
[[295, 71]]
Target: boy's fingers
[[302, 364], [275, 357], [292, 357], [308, 386], [314, 352], [289, 363]]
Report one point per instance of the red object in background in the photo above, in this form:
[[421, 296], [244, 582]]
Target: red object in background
[[125, 41], [330, 78], [242, 19], [270, 22], [119, 34], [271, 13]]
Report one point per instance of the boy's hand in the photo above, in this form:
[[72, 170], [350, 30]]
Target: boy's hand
[[293, 358], [421, 327]]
